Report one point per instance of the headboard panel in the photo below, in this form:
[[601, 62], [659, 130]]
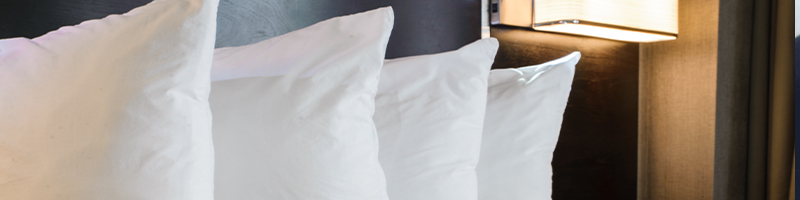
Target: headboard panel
[[33, 18], [421, 27]]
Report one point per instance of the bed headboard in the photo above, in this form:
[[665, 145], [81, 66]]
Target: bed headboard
[[596, 154], [421, 27]]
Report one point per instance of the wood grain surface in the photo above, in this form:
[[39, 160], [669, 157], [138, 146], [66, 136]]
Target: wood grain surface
[[596, 155]]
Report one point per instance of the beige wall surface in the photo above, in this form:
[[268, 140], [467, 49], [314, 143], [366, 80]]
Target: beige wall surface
[[677, 108]]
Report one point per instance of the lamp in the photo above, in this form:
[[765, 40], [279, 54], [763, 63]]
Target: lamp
[[624, 20]]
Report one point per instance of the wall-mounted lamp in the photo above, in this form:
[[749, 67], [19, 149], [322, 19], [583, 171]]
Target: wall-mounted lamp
[[625, 20]]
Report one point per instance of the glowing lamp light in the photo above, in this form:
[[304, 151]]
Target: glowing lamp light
[[624, 20]]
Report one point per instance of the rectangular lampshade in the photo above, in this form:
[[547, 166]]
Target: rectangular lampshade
[[625, 20]]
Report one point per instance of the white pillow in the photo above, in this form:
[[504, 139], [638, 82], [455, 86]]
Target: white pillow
[[111, 109], [281, 133], [523, 119], [429, 114]]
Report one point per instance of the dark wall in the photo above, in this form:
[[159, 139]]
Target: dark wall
[[33, 18], [596, 155], [421, 26]]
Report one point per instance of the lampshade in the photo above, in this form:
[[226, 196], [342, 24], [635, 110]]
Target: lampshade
[[625, 20]]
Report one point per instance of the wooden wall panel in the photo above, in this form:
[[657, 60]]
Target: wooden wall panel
[[596, 153], [677, 107]]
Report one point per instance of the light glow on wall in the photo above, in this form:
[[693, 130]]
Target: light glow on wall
[[625, 20], [606, 32]]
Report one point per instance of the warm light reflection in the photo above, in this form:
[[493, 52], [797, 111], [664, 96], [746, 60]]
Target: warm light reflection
[[625, 20], [605, 32], [653, 15]]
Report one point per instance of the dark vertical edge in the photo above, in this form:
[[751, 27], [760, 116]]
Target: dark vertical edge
[[759, 101], [796, 101], [733, 90], [780, 146]]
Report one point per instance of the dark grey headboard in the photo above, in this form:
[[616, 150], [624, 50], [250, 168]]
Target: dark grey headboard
[[596, 153], [421, 26]]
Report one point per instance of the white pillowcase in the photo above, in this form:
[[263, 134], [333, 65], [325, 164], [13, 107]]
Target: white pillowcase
[[281, 133], [111, 109], [523, 119], [429, 114]]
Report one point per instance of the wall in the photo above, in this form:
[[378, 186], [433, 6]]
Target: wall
[[677, 105]]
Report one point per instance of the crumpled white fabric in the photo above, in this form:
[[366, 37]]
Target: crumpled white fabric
[[524, 111], [114, 108], [429, 114], [293, 114]]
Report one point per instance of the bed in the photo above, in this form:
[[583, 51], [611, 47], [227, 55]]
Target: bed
[[596, 157]]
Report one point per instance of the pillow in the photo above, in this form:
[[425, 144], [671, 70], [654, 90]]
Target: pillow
[[523, 119], [281, 133], [111, 109], [429, 115]]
